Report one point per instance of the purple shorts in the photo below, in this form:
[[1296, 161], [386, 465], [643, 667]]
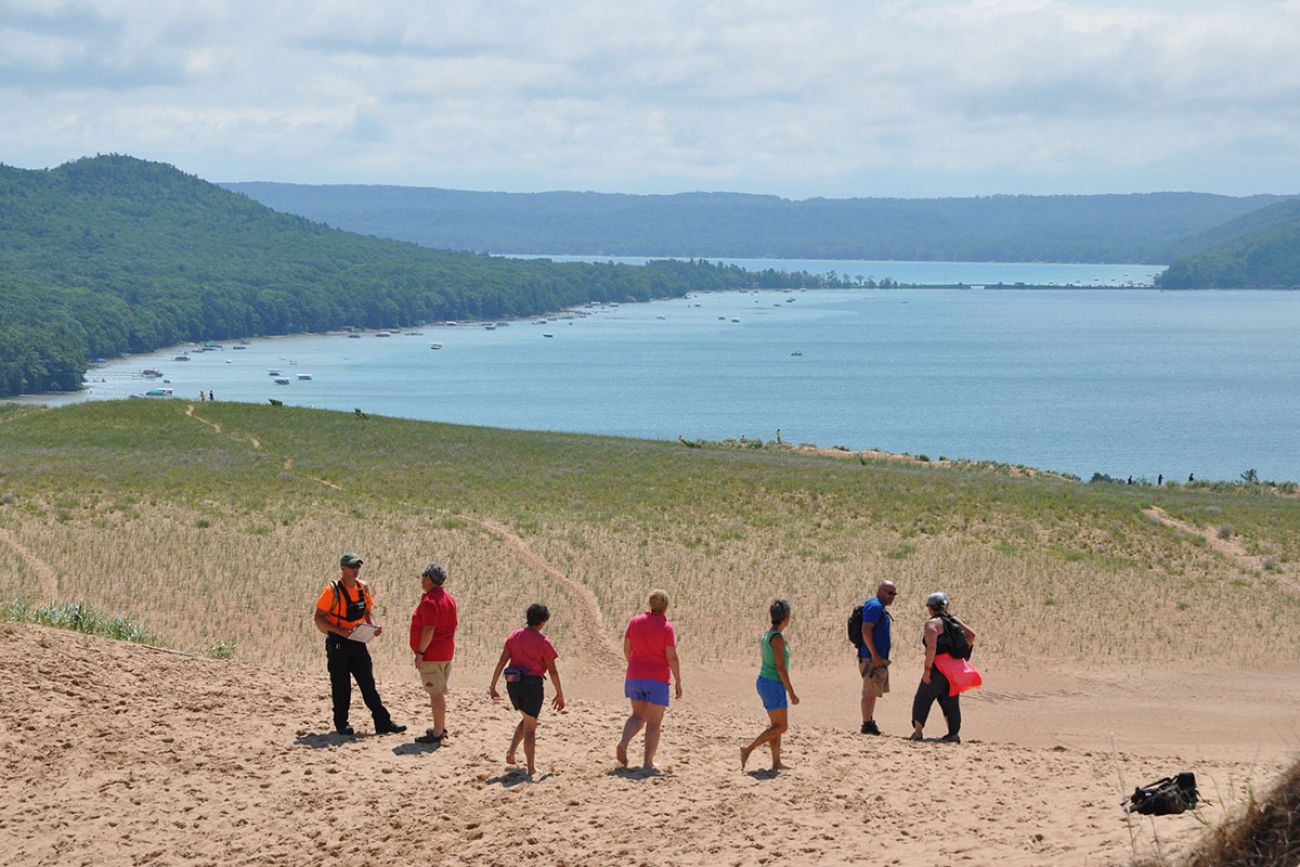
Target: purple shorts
[[653, 691]]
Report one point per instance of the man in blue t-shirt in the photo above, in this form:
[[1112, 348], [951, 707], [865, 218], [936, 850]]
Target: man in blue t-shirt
[[873, 655]]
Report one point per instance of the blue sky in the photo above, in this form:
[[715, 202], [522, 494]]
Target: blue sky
[[837, 99]]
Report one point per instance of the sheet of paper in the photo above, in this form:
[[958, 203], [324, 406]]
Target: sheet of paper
[[363, 633]]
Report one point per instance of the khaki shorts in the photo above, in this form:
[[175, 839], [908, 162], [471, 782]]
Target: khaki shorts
[[875, 682], [434, 675]]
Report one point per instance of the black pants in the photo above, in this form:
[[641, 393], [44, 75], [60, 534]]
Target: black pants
[[346, 660], [937, 690]]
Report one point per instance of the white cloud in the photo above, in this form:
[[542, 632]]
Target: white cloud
[[823, 98]]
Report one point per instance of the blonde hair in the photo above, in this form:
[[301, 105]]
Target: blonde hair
[[658, 601]]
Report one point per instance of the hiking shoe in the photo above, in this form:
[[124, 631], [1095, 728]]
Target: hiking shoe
[[391, 729], [346, 731], [869, 728], [950, 739], [916, 736], [429, 737]]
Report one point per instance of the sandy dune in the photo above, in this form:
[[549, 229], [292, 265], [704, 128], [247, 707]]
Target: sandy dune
[[118, 754]]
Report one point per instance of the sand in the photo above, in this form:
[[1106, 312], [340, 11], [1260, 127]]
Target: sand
[[119, 754]]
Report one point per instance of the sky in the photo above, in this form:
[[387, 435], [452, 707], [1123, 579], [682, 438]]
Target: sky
[[795, 99]]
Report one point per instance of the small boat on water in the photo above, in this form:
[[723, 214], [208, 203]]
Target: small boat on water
[[435, 346], [181, 358], [548, 334], [383, 334], [796, 352], [303, 377], [661, 317], [240, 346], [273, 373], [150, 372], [280, 380], [735, 320], [158, 392], [503, 325], [355, 336], [489, 327]]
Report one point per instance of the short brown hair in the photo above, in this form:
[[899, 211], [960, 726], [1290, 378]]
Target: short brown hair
[[658, 601]]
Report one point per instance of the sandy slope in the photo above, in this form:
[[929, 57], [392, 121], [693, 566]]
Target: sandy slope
[[118, 754]]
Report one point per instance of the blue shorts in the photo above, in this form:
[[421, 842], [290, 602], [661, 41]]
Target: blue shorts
[[772, 692], [653, 691]]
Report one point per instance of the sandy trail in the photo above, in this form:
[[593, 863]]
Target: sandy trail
[[189, 411], [1231, 548], [596, 644], [116, 755], [46, 577]]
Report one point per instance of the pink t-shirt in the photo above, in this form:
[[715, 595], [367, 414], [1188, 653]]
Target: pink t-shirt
[[650, 635], [531, 650], [436, 609]]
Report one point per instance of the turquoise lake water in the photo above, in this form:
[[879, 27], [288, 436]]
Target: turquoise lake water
[[1137, 382]]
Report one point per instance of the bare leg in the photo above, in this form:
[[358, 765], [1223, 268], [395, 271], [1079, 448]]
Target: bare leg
[[868, 709], [530, 742], [514, 743], [630, 729], [439, 703], [654, 720], [775, 745], [771, 734]]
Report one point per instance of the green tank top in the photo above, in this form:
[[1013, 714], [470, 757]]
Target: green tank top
[[769, 656]]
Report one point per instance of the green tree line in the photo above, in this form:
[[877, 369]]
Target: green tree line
[[111, 254]]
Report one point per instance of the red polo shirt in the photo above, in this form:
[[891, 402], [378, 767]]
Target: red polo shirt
[[436, 609]]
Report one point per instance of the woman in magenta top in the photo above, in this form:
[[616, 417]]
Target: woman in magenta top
[[650, 647], [531, 657]]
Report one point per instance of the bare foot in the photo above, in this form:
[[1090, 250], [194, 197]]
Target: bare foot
[[780, 767], [621, 754], [650, 769], [510, 759], [744, 757]]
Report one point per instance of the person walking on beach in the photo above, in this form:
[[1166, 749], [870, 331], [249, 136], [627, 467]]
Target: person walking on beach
[[873, 654], [773, 685], [650, 647], [433, 641], [342, 607], [938, 637], [530, 657]]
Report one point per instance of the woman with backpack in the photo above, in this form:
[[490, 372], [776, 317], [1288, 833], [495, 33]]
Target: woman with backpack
[[943, 634], [773, 685]]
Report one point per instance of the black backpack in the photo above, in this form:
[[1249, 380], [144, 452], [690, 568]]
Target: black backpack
[[1165, 797], [855, 626], [954, 637]]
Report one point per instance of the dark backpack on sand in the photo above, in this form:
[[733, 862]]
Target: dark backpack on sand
[[1165, 797], [953, 638], [855, 626]]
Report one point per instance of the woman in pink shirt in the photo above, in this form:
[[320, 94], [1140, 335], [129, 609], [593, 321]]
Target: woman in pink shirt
[[650, 646], [531, 656]]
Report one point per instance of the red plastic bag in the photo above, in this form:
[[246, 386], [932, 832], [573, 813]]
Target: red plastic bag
[[960, 673]]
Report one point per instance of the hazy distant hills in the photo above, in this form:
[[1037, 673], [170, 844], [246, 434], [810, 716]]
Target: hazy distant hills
[[1104, 228], [113, 254], [1258, 250]]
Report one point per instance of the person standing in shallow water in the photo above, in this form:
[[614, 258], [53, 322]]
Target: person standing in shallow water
[[531, 657], [341, 608], [773, 685], [650, 647]]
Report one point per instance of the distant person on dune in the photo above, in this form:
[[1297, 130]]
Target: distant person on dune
[[341, 608], [773, 685], [433, 641], [939, 637], [650, 647], [528, 656], [873, 654]]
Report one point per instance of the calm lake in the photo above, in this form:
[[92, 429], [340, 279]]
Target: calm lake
[[1137, 382]]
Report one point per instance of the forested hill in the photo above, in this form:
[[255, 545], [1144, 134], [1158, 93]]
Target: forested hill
[[1106, 228], [1258, 251], [113, 254]]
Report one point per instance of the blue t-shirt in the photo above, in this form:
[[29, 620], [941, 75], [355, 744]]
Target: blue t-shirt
[[873, 612]]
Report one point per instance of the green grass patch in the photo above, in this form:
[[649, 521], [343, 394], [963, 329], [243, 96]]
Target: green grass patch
[[78, 617]]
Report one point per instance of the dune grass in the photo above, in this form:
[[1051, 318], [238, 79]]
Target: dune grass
[[211, 539], [77, 617]]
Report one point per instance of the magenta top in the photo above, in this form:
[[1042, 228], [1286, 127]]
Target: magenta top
[[651, 635], [531, 650]]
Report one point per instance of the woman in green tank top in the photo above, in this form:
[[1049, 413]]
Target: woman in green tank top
[[773, 684]]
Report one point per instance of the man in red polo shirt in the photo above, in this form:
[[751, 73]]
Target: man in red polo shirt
[[433, 640]]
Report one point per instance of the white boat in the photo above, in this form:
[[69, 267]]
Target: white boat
[[383, 334], [304, 376], [435, 346]]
